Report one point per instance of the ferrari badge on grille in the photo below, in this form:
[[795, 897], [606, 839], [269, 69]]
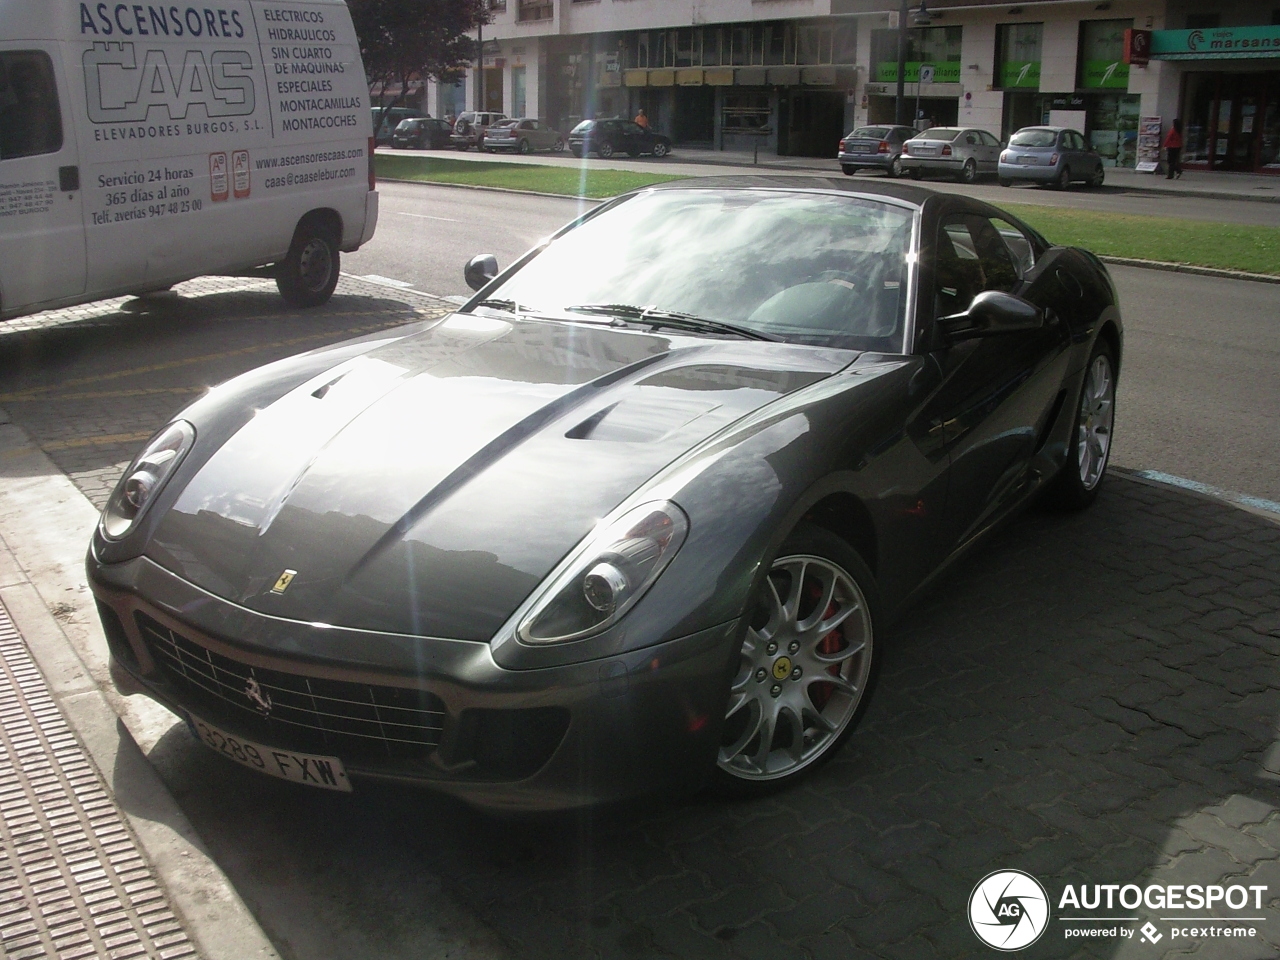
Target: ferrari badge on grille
[[282, 584], [260, 698]]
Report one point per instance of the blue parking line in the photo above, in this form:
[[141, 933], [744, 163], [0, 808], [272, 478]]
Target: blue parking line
[[1258, 503]]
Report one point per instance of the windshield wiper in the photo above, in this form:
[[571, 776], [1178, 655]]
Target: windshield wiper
[[508, 305], [652, 317]]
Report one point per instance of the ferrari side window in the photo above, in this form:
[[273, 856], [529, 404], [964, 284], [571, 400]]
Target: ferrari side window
[[958, 276], [1024, 252], [999, 270]]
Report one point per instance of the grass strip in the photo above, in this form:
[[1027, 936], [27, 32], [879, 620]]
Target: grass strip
[[1226, 246], [568, 181]]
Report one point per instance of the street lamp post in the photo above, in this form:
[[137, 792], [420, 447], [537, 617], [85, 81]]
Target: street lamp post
[[921, 19], [480, 66]]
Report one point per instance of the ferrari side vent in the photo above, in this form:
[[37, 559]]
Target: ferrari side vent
[[1050, 420]]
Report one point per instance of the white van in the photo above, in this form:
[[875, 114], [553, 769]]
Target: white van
[[143, 144]]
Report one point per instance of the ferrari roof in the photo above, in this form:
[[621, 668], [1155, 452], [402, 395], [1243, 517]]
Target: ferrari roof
[[910, 193]]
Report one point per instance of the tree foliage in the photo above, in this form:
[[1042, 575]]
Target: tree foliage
[[403, 39]]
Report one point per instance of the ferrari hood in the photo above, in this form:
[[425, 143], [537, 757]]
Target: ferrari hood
[[427, 486]]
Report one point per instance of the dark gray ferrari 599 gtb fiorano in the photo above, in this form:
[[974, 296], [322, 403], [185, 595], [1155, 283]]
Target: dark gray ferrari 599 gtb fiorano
[[633, 518]]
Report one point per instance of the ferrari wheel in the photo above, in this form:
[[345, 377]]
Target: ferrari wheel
[[806, 665], [1090, 448]]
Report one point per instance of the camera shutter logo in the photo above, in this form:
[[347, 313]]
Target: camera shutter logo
[[1008, 910]]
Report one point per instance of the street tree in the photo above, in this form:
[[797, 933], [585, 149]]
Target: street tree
[[402, 40]]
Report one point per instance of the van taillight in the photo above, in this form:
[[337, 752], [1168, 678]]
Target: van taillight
[[884, 146], [373, 174]]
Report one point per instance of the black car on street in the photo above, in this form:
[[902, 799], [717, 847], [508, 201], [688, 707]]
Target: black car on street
[[613, 136], [421, 133]]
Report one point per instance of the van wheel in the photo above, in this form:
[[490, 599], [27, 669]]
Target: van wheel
[[308, 275]]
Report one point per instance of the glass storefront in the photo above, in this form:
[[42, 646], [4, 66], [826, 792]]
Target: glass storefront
[[1232, 121]]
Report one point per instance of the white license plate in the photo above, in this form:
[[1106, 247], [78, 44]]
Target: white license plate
[[315, 771], [1026, 159]]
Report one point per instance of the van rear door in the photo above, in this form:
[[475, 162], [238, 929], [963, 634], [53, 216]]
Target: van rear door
[[42, 247]]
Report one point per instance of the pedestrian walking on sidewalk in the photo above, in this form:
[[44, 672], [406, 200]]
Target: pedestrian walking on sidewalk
[[1173, 147]]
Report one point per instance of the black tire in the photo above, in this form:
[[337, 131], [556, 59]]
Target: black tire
[[1099, 177], [917, 173], [576, 151], [464, 147], [633, 153], [895, 168], [558, 146], [847, 170], [735, 778], [660, 150], [1069, 490], [308, 274], [524, 147], [605, 150], [969, 172], [1005, 182], [1064, 179]]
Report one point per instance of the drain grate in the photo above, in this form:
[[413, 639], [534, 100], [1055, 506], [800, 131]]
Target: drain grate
[[73, 883]]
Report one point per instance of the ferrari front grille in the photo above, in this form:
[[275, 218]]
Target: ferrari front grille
[[354, 721]]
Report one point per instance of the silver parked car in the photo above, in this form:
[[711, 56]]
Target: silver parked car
[[875, 147], [523, 135], [1051, 155], [962, 152]]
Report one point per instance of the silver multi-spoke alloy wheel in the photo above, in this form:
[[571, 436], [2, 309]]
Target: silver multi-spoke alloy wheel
[[805, 667], [1097, 412]]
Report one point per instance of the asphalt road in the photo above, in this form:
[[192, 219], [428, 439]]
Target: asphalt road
[[1199, 396], [1112, 198]]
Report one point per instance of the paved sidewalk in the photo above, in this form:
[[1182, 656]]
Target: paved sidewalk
[[73, 883]]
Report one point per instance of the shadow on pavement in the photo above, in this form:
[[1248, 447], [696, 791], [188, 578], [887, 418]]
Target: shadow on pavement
[[1090, 698]]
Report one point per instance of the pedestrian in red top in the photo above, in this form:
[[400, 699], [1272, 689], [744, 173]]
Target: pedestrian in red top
[[1173, 147]]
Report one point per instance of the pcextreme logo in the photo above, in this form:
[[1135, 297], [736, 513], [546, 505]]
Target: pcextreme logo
[[1009, 910]]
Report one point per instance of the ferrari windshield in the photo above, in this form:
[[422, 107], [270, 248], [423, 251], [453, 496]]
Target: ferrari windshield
[[803, 267]]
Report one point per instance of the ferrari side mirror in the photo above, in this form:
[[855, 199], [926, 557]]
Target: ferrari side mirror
[[480, 269], [991, 313]]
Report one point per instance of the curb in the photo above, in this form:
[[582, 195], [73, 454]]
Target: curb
[[473, 186], [1190, 268], [42, 569], [1266, 509]]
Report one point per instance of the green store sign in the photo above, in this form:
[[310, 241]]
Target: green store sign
[[1105, 75], [947, 72], [1219, 43], [1020, 74]]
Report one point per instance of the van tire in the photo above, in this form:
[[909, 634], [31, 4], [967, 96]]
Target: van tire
[[307, 276]]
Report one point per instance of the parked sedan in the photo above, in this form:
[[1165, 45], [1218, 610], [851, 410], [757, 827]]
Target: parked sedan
[[1050, 155], [522, 135], [961, 152], [874, 148], [607, 137], [421, 133], [701, 447]]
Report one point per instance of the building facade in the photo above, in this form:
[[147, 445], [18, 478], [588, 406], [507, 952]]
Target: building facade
[[790, 77]]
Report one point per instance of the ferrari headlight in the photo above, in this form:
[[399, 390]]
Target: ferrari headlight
[[620, 562], [145, 477]]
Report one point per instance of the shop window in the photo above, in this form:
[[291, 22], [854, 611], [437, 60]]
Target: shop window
[[1101, 57], [30, 120], [1112, 121], [939, 46], [1018, 47], [746, 113]]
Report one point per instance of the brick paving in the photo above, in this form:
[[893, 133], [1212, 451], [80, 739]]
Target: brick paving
[[73, 883]]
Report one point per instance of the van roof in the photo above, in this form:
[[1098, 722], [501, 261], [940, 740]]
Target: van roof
[[60, 19]]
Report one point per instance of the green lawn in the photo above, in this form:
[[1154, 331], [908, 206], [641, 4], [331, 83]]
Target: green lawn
[[1229, 246], [568, 181], [1224, 245]]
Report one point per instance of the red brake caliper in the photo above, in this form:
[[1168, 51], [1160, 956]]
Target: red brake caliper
[[832, 643]]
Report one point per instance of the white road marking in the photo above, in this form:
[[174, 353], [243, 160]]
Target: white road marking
[[1244, 499], [387, 281], [423, 216]]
